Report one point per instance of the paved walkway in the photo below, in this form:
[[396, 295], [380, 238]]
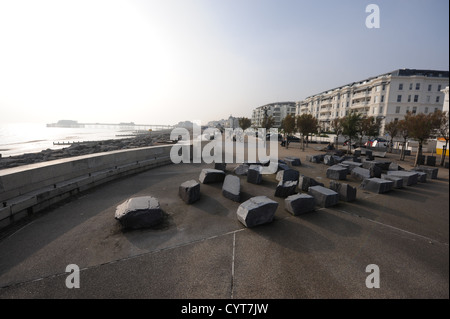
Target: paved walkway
[[203, 251]]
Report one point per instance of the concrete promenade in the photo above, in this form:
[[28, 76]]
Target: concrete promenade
[[202, 251]]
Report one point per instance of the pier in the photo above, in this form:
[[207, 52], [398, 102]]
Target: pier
[[122, 126]]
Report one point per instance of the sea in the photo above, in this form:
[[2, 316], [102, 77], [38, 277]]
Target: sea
[[22, 138]]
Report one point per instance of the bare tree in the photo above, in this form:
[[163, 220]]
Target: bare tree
[[420, 127], [392, 128], [306, 124], [441, 124], [337, 127], [244, 123], [403, 132], [288, 126]]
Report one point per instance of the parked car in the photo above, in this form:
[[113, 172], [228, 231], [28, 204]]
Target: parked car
[[291, 138], [378, 142]]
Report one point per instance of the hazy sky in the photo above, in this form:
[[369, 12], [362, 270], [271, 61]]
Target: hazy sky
[[164, 61]]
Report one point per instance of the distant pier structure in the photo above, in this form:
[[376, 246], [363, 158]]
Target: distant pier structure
[[121, 126]]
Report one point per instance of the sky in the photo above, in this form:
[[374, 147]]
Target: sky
[[161, 62]]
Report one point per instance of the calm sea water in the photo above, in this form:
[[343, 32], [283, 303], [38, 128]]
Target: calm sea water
[[21, 138]]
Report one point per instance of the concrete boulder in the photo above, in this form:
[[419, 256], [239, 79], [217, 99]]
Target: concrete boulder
[[231, 188], [292, 161], [398, 182], [139, 212], [360, 173], [422, 178], [377, 185], [432, 172], [257, 211], [346, 192], [351, 165], [337, 172], [286, 188], [189, 191], [299, 204], [306, 182], [220, 166], [241, 170], [409, 178], [254, 174], [324, 197], [209, 175], [315, 158], [287, 175]]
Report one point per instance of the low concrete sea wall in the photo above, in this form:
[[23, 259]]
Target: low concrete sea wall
[[31, 188]]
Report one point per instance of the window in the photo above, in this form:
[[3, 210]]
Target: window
[[378, 89], [414, 110], [407, 109], [381, 110], [396, 119], [347, 104], [439, 88], [429, 87], [399, 98], [426, 109], [428, 98], [417, 86], [409, 98], [376, 99], [437, 99], [416, 98], [400, 86], [382, 98], [435, 109], [410, 86], [397, 109], [384, 87]]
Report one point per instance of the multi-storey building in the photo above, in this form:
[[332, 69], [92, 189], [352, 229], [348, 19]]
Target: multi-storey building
[[387, 96], [278, 111]]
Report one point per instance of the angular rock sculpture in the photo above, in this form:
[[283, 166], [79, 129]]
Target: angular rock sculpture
[[139, 212], [231, 188], [189, 191], [257, 211]]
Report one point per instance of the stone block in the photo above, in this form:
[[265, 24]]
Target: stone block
[[231, 188], [409, 178], [422, 178], [377, 185], [287, 175], [286, 188], [395, 167], [374, 169], [139, 212], [306, 182], [324, 197], [210, 175], [431, 160], [241, 170], [351, 165], [254, 174], [357, 153], [315, 158], [337, 172], [257, 211], [299, 204], [283, 167], [220, 166], [292, 161], [398, 182], [360, 173], [346, 192], [369, 155], [189, 191], [432, 172]]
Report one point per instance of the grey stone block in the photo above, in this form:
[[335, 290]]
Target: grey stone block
[[409, 178], [315, 158], [422, 178], [395, 167], [323, 196], [377, 185], [347, 167], [346, 192], [242, 169], [369, 155], [360, 173], [306, 182], [254, 174], [357, 153], [398, 182], [292, 161], [286, 188], [189, 191], [373, 167], [139, 212], [231, 188], [299, 204], [220, 166], [446, 165], [210, 175], [351, 165], [257, 211], [329, 160], [432, 172], [337, 172], [288, 175], [282, 166]]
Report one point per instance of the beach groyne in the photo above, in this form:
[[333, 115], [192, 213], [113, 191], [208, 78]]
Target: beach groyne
[[28, 189]]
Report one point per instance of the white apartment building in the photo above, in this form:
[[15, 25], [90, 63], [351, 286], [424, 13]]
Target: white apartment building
[[387, 96], [278, 111]]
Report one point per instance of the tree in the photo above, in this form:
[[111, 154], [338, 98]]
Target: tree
[[268, 122], [420, 127], [403, 132], [368, 126], [288, 126], [441, 124], [392, 129], [350, 126], [306, 124], [244, 123], [336, 125]]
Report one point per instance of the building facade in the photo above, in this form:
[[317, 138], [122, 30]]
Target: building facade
[[387, 96], [278, 111]]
